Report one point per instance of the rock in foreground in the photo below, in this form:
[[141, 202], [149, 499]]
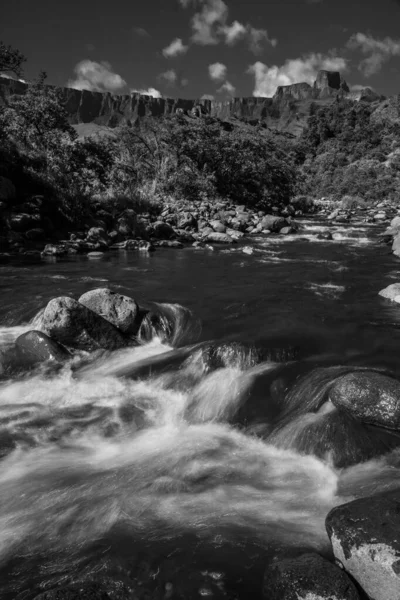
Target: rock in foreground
[[76, 326], [368, 397], [365, 536], [391, 292], [121, 311], [36, 347], [307, 577]]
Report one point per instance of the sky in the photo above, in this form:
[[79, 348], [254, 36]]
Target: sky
[[205, 48]]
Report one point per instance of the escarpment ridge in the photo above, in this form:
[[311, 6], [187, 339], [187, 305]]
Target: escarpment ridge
[[287, 110]]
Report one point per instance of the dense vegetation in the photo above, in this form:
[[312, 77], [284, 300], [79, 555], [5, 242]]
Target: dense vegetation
[[353, 148], [348, 149]]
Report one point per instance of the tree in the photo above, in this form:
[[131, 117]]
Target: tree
[[11, 60]]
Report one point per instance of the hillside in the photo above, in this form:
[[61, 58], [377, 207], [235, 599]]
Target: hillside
[[288, 110]]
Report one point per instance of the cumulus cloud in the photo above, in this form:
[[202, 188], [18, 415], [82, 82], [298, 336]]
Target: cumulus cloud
[[96, 77], [217, 71], [227, 88], [149, 92], [297, 70], [175, 48], [256, 37], [233, 32], [378, 51], [207, 97], [205, 23]]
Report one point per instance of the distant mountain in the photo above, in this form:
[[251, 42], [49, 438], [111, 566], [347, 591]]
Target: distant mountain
[[287, 111]]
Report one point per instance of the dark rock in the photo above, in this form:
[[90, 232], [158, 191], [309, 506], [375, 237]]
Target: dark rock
[[163, 230], [36, 347], [365, 537], [121, 311], [368, 397], [307, 577], [76, 326], [273, 223]]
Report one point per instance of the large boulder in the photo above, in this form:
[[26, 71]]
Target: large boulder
[[368, 397], [391, 292], [35, 347], [121, 311], [163, 231], [365, 537], [307, 577], [71, 323], [218, 226], [273, 223]]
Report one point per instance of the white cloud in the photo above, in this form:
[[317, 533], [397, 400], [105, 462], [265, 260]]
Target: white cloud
[[297, 70], [379, 51], [169, 76], [205, 22], [149, 92], [233, 32], [227, 88], [256, 37], [96, 77], [207, 97], [217, 71], [175, 48]]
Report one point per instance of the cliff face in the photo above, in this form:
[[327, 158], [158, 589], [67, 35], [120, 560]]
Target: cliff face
[[285, 111]]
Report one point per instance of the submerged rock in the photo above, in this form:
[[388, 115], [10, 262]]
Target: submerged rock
[[76, 326], [365, 537], [368, 397], [35, 347], [121, 311], [307, 577]]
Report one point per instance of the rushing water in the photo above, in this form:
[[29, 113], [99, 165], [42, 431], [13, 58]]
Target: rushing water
[[174, 469]]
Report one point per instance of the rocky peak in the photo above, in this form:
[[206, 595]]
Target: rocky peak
[[328, 81]]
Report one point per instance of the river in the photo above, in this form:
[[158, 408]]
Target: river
[[168, 472]]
